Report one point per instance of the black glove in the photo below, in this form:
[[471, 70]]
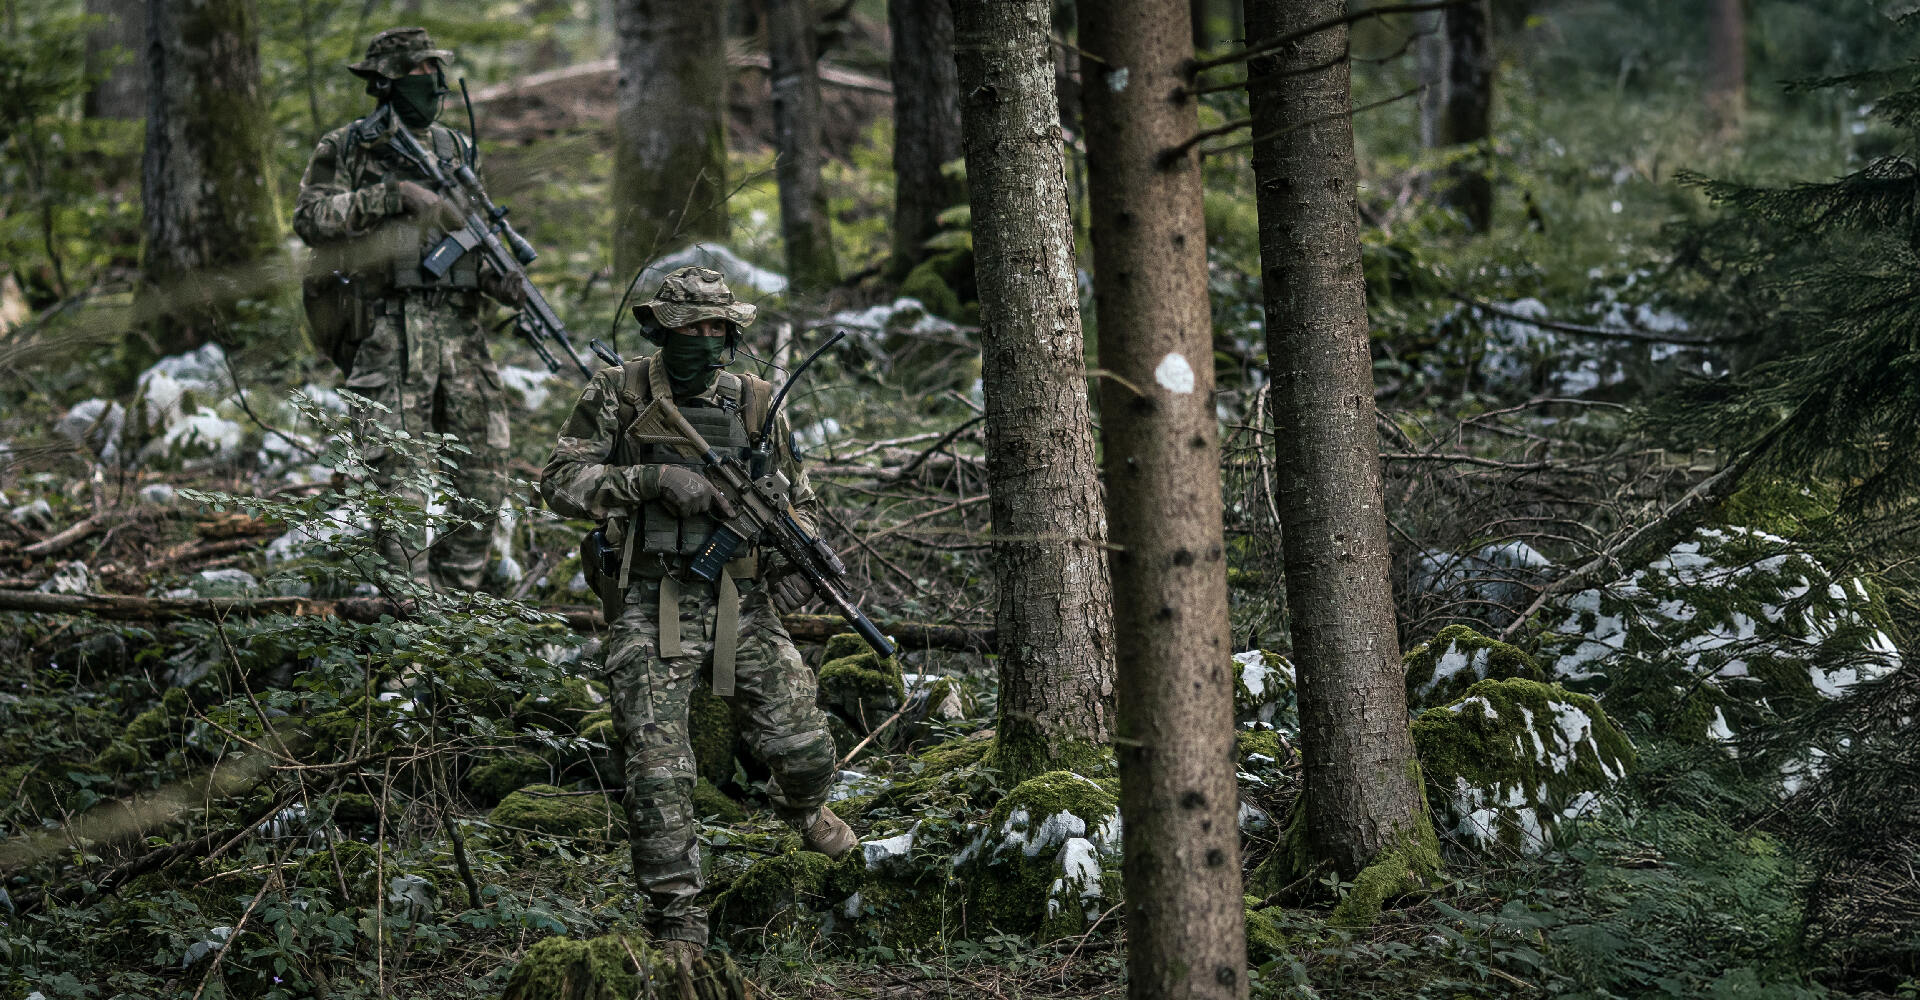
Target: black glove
[[790, 591], [683, 491], [419, 201]]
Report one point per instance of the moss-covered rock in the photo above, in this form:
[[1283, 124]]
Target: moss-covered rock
[[565, 709], [618, 967], [1048, 860], [546, 809], [859, 686], [1263, 690], [789, 894], [1265, 940], [493, 780], [348, 861], [1512, 759], [355, 807], [156, 724], [1443, 668], [710, 802]]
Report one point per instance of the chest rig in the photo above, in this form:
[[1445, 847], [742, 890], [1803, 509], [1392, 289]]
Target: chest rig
[[654, 542], [394, 247]]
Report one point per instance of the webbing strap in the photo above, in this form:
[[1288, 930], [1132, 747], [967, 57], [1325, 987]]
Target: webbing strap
[[669, 622]]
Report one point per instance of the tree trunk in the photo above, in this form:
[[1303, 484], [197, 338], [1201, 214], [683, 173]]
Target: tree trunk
[[1362, 796], [1430, 71], [926, 125], [211, 220], [670, 153], [794, 72], [117, 57], [1178, 797], [1727, 64], [1055, 616], [1467, 118]]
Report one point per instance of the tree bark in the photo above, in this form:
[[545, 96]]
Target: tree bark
[[211, 218], [1178, 798], [1467, 115], [794, 73], [670, 153], [116, 54], [1362, 796], [1430, 71], [1055, 613], [926, 125], [1727, 64]]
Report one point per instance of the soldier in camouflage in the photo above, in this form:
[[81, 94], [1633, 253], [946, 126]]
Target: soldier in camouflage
[[416, 343], [617, 462]]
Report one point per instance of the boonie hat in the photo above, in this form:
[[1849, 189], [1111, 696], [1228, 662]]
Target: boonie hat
[[394, 53], [690, 295]]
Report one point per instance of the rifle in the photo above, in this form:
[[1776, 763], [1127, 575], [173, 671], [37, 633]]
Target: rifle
[[762, 511], [486, 228]]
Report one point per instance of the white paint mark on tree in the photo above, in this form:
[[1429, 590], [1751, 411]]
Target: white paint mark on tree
[[1175, 374]]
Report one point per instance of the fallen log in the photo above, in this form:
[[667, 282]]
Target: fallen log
[[367, 610]]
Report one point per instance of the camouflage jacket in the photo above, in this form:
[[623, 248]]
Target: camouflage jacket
[[581, 481], [344, 193]]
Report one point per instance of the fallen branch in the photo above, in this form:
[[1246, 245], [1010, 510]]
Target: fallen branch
[[368, 610], [58, 543]]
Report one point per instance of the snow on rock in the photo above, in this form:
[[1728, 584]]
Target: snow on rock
[[202, 434], [37, 516], [225, 583], [1441, 669], [69, 578], [97, 425], [202, 371], [901, 314], [534, 385], [1726, 630], [303, 538], [1263, 691], [159, 494], [1516, 759], [741, 276], [1495, 581]]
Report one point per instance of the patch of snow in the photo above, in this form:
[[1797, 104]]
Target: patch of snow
[[1718, 729], [159, 494], [37, 515], [880, 852], [1253, 817], [741, 275], [1485, 706], [202, 433], [533, 385], [69, 578], [881, 318]]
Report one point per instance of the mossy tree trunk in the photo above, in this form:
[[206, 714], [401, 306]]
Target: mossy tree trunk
[[926, 125], [1362, 790], [1175, 739], [795, 75], [670, 144], [1055, 618], [117, 56], [212, 225], [1466, 116]]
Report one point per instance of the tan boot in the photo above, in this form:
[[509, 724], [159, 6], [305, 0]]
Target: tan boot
[[829, 835]]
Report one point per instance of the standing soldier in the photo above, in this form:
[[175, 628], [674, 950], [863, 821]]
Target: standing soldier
[[619, 461], [406, 339]]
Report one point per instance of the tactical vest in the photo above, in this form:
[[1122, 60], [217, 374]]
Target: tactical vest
[[654, 543], [394, 247], [724, 427]]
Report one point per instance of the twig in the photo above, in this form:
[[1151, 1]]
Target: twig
[[1275, 44], [56, 543], [1297, 126], [862, 745], [234, 935], [945, 439]]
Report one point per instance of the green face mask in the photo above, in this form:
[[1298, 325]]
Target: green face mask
[[416, 99], [691, 360]]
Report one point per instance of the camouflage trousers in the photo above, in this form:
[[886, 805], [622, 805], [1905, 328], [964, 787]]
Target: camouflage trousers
[[650, 697], [425, 359]]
